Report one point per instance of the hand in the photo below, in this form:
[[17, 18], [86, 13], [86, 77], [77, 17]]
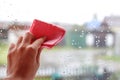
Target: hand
[[23, 58]]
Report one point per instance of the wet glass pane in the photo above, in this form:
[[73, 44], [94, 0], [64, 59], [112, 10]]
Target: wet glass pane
[[90, 49]]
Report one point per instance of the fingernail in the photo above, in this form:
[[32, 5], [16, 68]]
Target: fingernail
[[44, 38]]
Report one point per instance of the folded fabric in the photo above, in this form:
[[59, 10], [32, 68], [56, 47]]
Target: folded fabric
[[53, 33]]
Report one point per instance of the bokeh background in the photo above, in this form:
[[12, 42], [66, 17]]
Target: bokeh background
[[90, 50]]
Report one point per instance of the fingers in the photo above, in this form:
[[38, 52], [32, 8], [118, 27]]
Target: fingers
[[19, 41], [38, 55], [28, 37], [33, 49], [12, 45], [36, 44]]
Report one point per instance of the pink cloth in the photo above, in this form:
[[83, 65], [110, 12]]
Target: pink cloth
[[53, 33]]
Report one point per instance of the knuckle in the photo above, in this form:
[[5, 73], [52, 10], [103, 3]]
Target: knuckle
[[27, 33], [10, 53], [31, 49], [21, 48]]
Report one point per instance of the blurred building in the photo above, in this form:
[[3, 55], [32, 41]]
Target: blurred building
[[93, 24], [114, 23], [100, 34]]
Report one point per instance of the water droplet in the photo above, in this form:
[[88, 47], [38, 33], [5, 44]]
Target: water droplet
[[75, 29], [72, 43], [79, 47], [98, 41], [82, 31], [1, 31], [97, 45], [81, 36], [101, 30], [73, 40]]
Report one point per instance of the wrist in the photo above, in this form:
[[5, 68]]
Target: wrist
[[16, 78]]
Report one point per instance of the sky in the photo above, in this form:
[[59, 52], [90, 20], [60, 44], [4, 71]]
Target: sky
[[67, 11]]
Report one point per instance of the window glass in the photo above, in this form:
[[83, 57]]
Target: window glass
[[90, 49]]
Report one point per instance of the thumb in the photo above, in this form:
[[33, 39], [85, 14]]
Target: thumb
[[37, 43]]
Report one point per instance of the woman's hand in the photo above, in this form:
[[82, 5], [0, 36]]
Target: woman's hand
[[23, 58]]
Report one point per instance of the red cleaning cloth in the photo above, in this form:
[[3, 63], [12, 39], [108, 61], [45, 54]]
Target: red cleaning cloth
[[53, 33]]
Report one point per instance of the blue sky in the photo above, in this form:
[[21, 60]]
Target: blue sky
[[68, 11]]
